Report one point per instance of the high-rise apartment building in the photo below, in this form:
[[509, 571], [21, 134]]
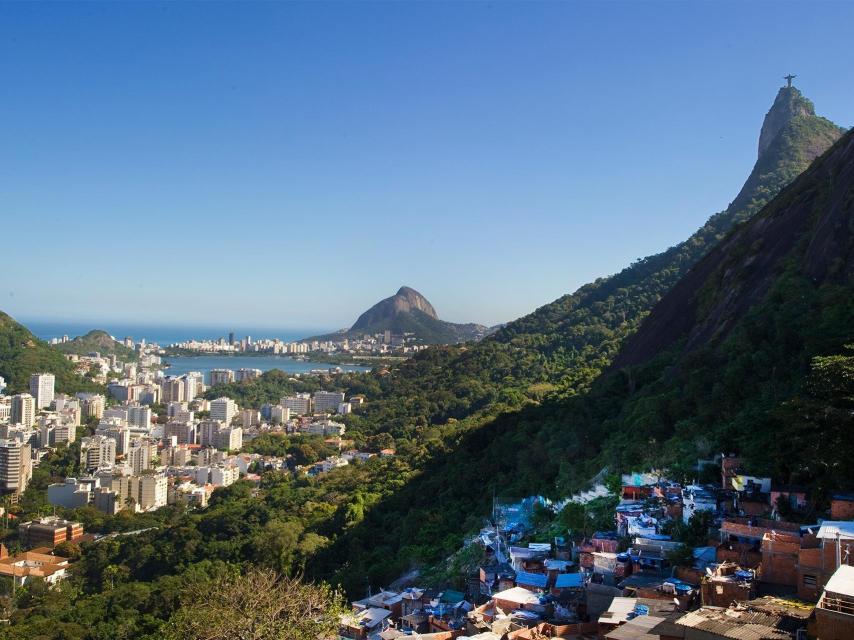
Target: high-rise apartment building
[[327, 401], [223, 409], [246, 374], [92, 405], [96, 452], [15, 466], [221, 376], [42, 389], [23, 409], [299, 404]]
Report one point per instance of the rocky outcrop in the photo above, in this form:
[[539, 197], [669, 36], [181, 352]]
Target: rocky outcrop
[[808, 227], [406, 300], [788, 104]]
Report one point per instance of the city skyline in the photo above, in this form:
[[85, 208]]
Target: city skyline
[[292, 164]]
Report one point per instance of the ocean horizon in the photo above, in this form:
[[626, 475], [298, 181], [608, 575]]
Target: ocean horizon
[[163, 334]]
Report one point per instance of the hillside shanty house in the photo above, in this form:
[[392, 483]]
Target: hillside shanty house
[[727, 584], [834, 613], [497, 576], [842, 506], [532, 581]]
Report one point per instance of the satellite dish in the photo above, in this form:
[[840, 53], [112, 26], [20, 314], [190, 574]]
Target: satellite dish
[[709, 572], [676, 601]]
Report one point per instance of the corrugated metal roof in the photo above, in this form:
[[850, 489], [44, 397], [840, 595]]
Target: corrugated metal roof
[[533, 579], [842, 581], [636, 629], [830, 528], [734, 623], [569, 580]]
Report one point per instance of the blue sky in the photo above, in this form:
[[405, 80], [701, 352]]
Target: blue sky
[[287, 165]]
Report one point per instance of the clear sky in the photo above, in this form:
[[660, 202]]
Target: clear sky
[[287, 165]]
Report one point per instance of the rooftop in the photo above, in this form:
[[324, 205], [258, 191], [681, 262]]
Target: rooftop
[[841, 582], [517, 595], [739, 623], [829, 530]]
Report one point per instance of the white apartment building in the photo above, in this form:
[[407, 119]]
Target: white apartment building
[[15, 466], [280, 414], [42, 389], [223, 476], [229, 439], [117, 415], [247, 374], [97, 451], [223, 409], [70, 494], [221, 376], [299, 404], [327, 401], [173, 390], [324, 428], [92, 404], [145, 492], [113, 428], [183, 432], [139, 456], [139, 416], [250, 418], [23, 409], [177, 456], [194, 385]]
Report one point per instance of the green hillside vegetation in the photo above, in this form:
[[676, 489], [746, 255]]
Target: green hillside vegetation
[[22, 354], [98, 341]]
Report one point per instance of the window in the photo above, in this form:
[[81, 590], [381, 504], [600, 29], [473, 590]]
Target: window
[[810, 581]]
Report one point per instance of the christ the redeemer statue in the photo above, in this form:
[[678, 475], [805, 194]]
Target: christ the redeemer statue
[[789, 79]]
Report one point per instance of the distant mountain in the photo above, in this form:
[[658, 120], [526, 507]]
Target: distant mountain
[[98, 341], [22, 354], [409, 312]]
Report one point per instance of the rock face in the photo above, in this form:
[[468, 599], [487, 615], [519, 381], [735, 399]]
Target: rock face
[[792, 137], [789, 104], [408, 312], [807, 230], [406, 300]]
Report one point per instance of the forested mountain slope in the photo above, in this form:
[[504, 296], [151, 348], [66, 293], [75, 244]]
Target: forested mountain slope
[[759, 367], [22, 354]]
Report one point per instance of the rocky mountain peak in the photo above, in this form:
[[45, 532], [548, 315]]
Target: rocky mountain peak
[[789, 104]]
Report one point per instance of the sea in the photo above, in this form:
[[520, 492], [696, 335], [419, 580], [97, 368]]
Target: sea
[[164, 335]]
